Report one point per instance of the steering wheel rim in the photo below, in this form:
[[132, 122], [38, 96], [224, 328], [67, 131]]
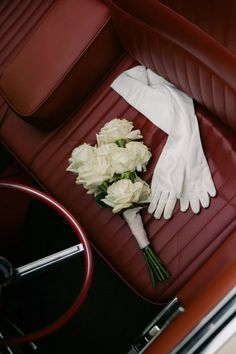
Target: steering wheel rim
[[88, 264]]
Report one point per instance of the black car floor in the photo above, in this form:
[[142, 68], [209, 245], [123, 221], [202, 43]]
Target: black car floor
[[109, 320]]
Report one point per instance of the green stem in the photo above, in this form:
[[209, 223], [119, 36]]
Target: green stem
[[157, 262], [153, 278], [157, 271]]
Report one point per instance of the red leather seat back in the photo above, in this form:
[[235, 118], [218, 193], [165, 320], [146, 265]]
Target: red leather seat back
[[183, 53], [218, 20]]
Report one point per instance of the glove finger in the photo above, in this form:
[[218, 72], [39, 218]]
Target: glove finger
[[161, 205], [210, 187], [155, 196], [184, 203], [195, 204], [170, 205], [204, 199]]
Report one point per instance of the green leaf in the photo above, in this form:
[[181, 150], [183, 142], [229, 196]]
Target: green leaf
[[125, 175], [133, 176], [103, 187], [121, 142], [99, 198]]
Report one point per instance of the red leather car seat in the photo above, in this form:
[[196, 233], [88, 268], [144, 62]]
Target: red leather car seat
[[172, 46]]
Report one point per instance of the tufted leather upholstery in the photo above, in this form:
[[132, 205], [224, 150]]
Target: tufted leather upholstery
[[172, 46], [182, 53], [17, 19], [218, 20]]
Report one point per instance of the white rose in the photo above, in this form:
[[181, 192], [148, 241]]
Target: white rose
[[107, 150], [95, 172], [122, 161], [79, 156], [140, 154], [146, 191], [117, 129], [123, 193]]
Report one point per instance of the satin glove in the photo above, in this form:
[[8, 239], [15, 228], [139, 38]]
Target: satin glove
[[151, 95], [167, 183], [153, 102], [169, 174], [182, 171], [198, 185]]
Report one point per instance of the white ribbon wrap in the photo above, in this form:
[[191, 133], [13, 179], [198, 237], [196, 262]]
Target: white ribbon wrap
[[134, 220]]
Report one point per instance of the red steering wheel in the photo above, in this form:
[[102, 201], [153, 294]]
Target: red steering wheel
[[88, 263]]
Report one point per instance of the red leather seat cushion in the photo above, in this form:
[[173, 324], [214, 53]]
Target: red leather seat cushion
[[17, 19], [186, 241], [43, 82]]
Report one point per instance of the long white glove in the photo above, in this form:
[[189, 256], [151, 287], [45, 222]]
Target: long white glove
[[198, 183], [182, 170]]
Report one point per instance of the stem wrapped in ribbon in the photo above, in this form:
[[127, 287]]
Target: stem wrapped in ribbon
[[157, 270]]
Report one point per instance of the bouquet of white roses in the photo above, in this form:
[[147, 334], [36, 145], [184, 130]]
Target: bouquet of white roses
[[109, 170]]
